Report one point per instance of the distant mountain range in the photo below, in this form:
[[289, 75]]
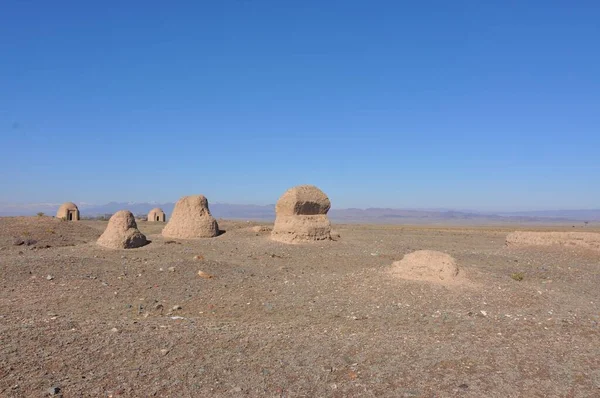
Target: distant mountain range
[[352, 215]]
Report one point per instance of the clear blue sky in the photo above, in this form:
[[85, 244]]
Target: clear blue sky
[[460, 104]]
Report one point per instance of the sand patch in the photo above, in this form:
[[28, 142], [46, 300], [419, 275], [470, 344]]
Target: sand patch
[[580, 240]]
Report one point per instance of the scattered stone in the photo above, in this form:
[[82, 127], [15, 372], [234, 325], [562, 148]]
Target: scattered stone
[[176, 307], [335, 235], [236, 389], [199, 257], [49, 277], [122, 232], [484, 313], [114, 330], [205, 275], [261, 228], [54, 390], [171, 269], [164, 351]]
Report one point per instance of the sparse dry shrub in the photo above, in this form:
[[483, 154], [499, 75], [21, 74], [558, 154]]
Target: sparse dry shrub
[[518, 276]]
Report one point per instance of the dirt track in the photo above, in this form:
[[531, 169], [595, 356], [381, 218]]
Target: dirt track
[[292, 321]]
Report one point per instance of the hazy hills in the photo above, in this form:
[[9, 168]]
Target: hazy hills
[[351, 215]]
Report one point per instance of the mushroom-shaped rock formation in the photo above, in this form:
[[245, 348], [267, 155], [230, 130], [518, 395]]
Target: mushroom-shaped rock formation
[[157, 215], [122, 232], [191, 219], [301, 216], [68, 211]]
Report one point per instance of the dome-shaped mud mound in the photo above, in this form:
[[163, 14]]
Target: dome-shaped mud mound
[[301, 216], [157, 215], [427, 265], [68, 211], [191, 219], [581, 240], [122, 232]]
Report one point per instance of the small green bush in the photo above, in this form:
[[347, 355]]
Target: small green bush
[[41, 214], [518, 276]]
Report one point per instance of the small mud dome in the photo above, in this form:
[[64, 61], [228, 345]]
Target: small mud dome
[[583, 240], [426, 265]]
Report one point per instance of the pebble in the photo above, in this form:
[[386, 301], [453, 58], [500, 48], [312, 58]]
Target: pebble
[[49, 277], [164, 351], [54, 390], [114, 330], [204, 275], [176, 307], [171, 269], [198, 257]]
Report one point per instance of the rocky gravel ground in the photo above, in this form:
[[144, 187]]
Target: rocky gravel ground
[[266, 319]]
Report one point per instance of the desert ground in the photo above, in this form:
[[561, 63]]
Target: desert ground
[[268, 319]]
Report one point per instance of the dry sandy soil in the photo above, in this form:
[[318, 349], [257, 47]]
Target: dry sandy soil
[[324, 320]]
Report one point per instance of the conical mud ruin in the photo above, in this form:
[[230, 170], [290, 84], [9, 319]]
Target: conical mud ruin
[[122, 232], [191, 218]]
